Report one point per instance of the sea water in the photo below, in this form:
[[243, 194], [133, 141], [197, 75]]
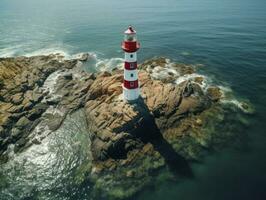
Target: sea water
[[228, 37]]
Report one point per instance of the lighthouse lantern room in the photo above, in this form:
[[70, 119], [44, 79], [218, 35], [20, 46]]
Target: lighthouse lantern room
[[130, 46]]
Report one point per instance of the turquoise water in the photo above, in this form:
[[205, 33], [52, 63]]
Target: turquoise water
[[228, 37]]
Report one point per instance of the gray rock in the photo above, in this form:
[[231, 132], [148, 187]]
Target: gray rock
[[37, 111], [55, 122], [68, 76], [15, 132], [19, 144], [37, 97], [22, 122], [83, 57], [214, 93], [53, 100], [188, 89], [36, 141], [1, 131]]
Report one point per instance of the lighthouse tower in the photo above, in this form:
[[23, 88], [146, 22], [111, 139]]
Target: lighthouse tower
[[130, 46]]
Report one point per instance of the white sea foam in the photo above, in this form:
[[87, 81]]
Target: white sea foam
[[48, 51], [161, 73], [10, 51], [228, 97], [42, 129], [50, 82], [54, 111], [10, 151], [33, 49], [226, 89], [191, 77], [169, 71], [238, 104], [109, 64], [185, 53], [24, 50], [100, 63]]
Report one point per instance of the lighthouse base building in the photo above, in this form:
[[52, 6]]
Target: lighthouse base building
[[130, 45]]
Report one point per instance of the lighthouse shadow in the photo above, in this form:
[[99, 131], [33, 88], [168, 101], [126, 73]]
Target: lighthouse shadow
[[176, 163]]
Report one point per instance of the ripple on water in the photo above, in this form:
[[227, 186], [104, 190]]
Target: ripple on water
[[43, 171]]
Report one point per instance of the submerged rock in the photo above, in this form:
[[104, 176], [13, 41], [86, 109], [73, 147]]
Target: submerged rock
[[214, 93]]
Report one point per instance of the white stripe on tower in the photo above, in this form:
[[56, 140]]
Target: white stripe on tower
[[131, 75], [131, 57]]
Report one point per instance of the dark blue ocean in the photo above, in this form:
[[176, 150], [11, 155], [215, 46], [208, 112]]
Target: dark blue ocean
[[227, 36]]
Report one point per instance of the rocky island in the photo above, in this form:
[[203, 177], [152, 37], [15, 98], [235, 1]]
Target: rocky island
[[179, 117]]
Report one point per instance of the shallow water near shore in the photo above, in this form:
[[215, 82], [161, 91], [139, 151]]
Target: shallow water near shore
[[48, 171], [228, 38]]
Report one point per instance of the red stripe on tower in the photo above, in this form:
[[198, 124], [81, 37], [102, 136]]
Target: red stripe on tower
[[131, 84], [131, 65], [130, 46]]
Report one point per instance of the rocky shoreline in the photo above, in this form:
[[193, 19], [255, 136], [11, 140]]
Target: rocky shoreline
[[173, 121], [27, 96]]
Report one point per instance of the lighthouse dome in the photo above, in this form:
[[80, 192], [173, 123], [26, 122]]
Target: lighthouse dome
[[130, 31], [130, 34]]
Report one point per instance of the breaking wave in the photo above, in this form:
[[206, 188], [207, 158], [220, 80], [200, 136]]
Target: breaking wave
[[97, 62]]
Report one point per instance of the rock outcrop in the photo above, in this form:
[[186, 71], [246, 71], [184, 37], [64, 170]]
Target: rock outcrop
[[25, 94], [117, 125], [168, 125]]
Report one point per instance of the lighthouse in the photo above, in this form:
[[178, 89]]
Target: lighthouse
[[130, 46]]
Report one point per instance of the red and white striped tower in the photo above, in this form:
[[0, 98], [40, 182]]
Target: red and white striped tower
[[130, 46]]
